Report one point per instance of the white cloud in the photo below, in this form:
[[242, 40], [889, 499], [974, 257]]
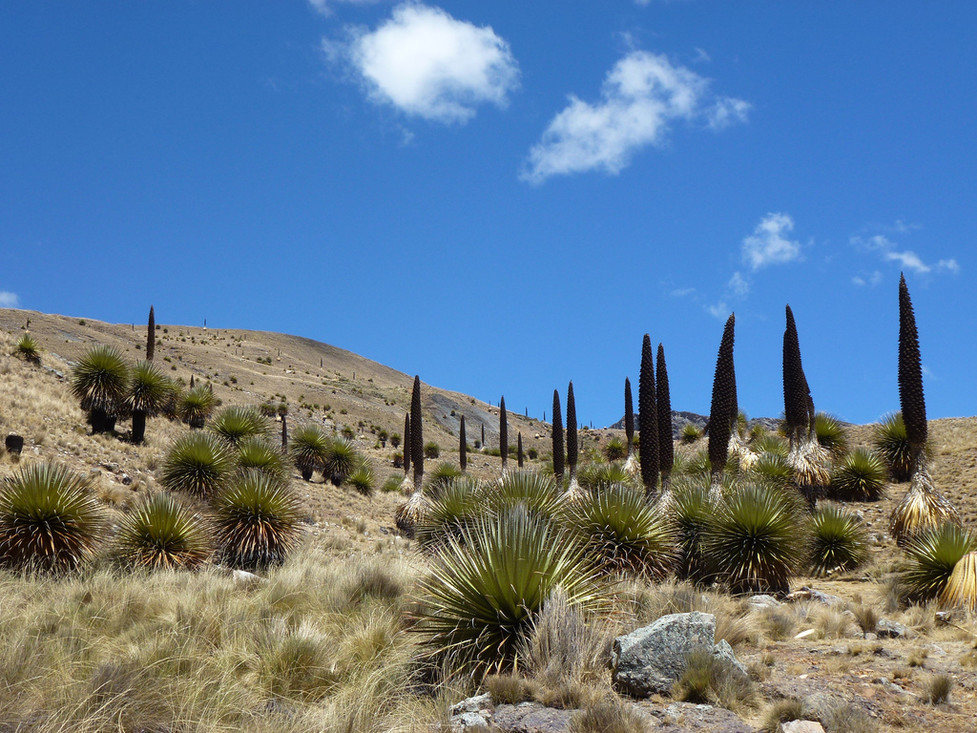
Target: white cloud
[[324, 7], [8, 300], [642, 97], [682, 292], [907, 259], [720, 310], [768, 244], [428, 64], [738, 285]]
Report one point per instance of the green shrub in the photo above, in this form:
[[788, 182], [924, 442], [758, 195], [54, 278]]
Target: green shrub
[[859, 477], [690, 433], [484, 590], [891, 442], [256, 522], [432, 450], [391, 484], [615, 449], [442, 475], [308, 448], [450, 512], [933, 554], [257, 454], [234, 424], [197, 405], [755, 540], [363, 479], [197, 464], [161, 533], [691, 509], [28, 349], [622, 533], [597, 476], [50, 520], [538, 493], [148, 392], [830, 434], [838, 540], [341, 460], [710, 679], [99, 380]]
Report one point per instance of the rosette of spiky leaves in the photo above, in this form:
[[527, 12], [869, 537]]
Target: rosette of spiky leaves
[[162, 533], [416, 432], [961, 586], [690, 433], [28, 349], [663, 401], [256, 522], [197, 405], [147, 394], [932, 557], [341, 459], [648, 418], [628, 416], [198, 464], [911, 399], [615, 449], [597, 476], [838, 540], [771, 443], [99, 380], [504, 432], [860, 476], [308, 449], [257, 454], [170, 408], [922, 507], [772, 469], [623, 533], [485, 589], [755, 540], [456, 507], [724, 406], [830, 433], [890, 440], [234, 424], [559, 455], [50, 520], [690, 509], [362, 479], [538, 493], [441, 477]]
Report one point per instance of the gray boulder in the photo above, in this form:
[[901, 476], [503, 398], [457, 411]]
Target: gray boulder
[[651, 659]]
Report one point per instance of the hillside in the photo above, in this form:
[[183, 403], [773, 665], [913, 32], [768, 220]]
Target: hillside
[[349, 535]]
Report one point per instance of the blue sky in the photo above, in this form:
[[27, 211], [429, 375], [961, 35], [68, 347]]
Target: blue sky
[[502, 197]]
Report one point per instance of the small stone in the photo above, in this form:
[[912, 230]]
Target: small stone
[[764, 601], [125, 479], [886, 629], [801, 726], [244, 579]]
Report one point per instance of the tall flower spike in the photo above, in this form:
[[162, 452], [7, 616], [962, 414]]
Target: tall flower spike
[[558, 447], [722, 412], [796, 391], [503, 432], [910, 373], [628, 415], [571, 432], [416, 433], [648, 418], [666, 450]]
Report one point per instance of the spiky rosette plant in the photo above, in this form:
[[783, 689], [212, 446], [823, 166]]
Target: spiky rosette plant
[[961, 586], [363, 479], [28, 349], [538, 493], [860, 476], [257, 454], [234, 424], [807, 458], [933, 554], [831, 434], [839, 540], [690, 433], [690, 509], [99, 380], [724, 407], [755, 540], [341, 459], [622, 533], [454, 509], [162, 533], [308, 450], [50, 520], [559, 455], [147, 394], [256, 522], [630, 463], [598, 476], [197, 464], [890, 440], [663, 401], [485, 589], [197, 405], [648, 419], [923, 506], [772, 469], [441, 477]]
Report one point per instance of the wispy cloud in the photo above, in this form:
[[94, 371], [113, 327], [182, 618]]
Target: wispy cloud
[[738, 285], [642, 97], [769, 245], [428, 64], [8, 299], [682, 292], [720, 310], [907, 259], [872, 279], [325, 7]]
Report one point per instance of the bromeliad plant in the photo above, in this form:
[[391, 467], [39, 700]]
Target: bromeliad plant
[[308, 450], [934, 554], [234, 424], [28, 349], [890, 440], [859, 477], [257, 454], [486, 587], [197, 405], [923, 506], [452, 510], [838, 540], [147, 394], [100, 380], [256, 520], [198, 464], [162, 533], [623, 533], [341, 460], [50, 520], [538, 494]]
